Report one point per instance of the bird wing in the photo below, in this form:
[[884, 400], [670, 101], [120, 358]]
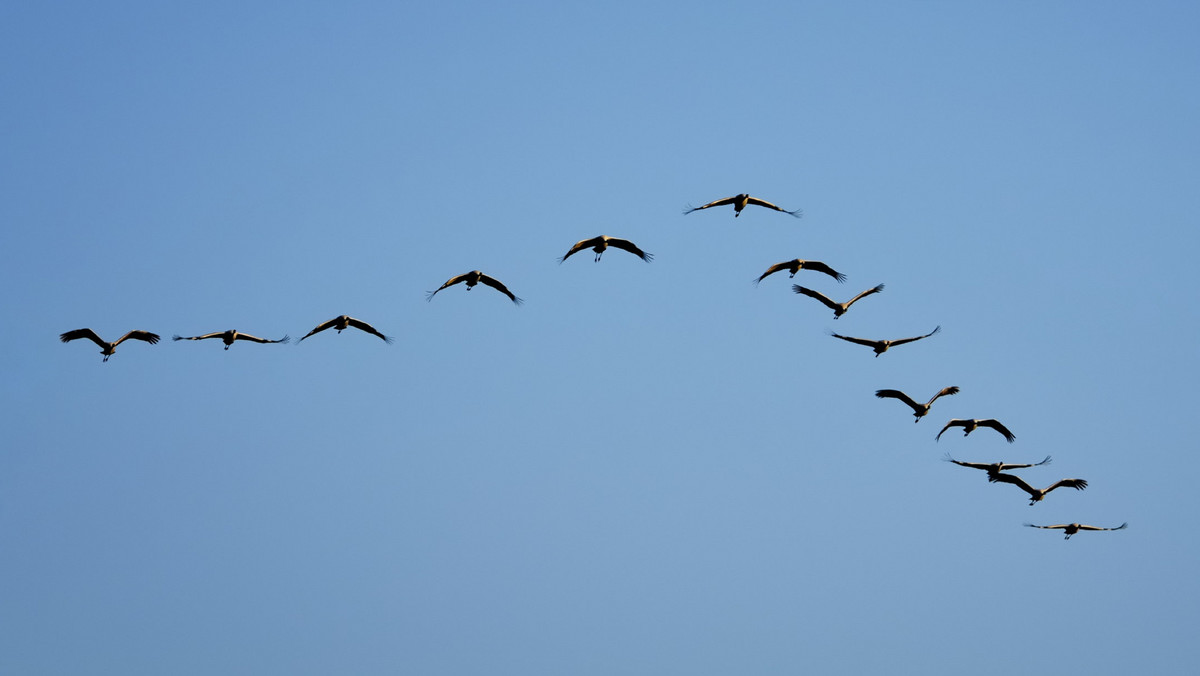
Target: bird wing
[[495, 284], [579, 246], [217, 334], [363, 326], [909, 340], [818, 266], [858, 341], [1057, 525], [151, 338], [1016, 481], [763, 203], [630, 247], [818, 295], [897, 394], [1083, 527], [772, 270], [972, 465], [449, 282], [82, 333], [717, 203], [1004, 466], [1077, 484], [868, 292], [995, 424], [319, 329], [256, 339], [946, 391], [956, 422]]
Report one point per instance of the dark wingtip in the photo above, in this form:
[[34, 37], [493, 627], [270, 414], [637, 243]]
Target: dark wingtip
[[176, 337]]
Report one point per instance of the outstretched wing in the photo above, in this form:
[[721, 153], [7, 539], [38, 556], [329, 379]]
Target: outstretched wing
[[151, 338], [363, 326], [1057, 525], [909, 340], [864, 294], [972, 465], [1083, 527], [256, 339], [995, 424], [763, 203], [1005, 466], [217, 334], [1077, 484], [82, 333], [897, 394], [319, 329], [718, 203], [956, 422], [449, 282], [495, 284], [773, 269], [579, 246], [630, 247], [818, 295], [946, 391], [857, 341], [818, 266], [1016, 481]]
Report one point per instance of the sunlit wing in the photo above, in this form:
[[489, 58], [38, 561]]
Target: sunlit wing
[[764, 203], [717, 203], [319, 329], [915, 338], [868, 292], [953, 423], [256, 339], [449, 282], [151, 338], [579, 246], [946, 391], [772, 270]]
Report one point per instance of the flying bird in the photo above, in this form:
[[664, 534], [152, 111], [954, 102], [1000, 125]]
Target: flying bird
[[839, 309], [107, 349], [1073, 528], [881, 346], [970, 426], [996, 467], [472, 278], [919, 410], [739, 202], [344, 322], [599, 244], [1038, 494], [798, 264], [229, 336]]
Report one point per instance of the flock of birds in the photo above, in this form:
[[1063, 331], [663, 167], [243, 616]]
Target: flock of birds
[[996, 472]]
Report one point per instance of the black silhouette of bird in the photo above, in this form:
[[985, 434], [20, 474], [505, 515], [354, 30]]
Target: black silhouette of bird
[[796, 265], [229, 336], [919, 410], [1073, 528], [971, 425], [995, 468], [472, 278], [1038, 494], [881, 346], [839, 309], [599, 244], [344, 322], [107, 349], [740, 202]]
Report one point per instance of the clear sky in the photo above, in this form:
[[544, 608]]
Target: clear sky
[[648, 468]]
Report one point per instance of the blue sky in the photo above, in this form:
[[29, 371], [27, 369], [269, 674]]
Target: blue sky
[[647, 468]]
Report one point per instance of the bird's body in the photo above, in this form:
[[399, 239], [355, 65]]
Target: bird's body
[[106, 348], [919, 410], [475, 277], [1038, 494], [796, 265], [342, 323], [970, 425], [881, 346], [740, 202], [602, 242], [229, 336], [995, 468], [839, 309], [1073, 528]]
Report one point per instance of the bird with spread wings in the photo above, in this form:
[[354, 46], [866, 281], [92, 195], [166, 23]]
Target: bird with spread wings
[[602, 242], [1073, 528], [996, 467], [472, 278], [796, 265], [881, 346], [839, 309], [970, 425], [342, 323], [106, 348], [229, 336], [1038, 494], [740, 202], [919, 410]]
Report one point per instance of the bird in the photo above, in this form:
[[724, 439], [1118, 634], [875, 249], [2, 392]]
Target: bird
[[1038, 494], [1073, 528], [344, 322], [107, 349], [970, 426], [229, 336], [798, 264], [602, 242], [881, 346], [996, 467], [839, 309], [739, 202], [919, 410], [472, 278]]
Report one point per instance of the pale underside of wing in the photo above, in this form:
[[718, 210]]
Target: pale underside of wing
[[764, 203], [716, 203], [449, 282], [151, 338]]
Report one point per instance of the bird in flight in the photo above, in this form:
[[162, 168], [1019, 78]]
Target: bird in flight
[[971, 425], [919, 410], [1038, 494], [107, 349], [472, 278], [839, 309], [599, 244], [229, 336], [344, 322], [881, 346], [996, 467], [739, 202], [1073, 528], [798, 264]]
